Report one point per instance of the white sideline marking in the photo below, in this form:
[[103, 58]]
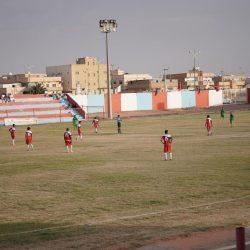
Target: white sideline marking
[[229, 247], [128, 217]]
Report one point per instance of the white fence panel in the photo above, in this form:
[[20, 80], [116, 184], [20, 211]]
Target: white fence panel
[[128, 102], [174, 100], [215, 98]]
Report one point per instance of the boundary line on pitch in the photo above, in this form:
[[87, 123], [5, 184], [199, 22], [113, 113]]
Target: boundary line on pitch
[[230, 247], [128, 217]]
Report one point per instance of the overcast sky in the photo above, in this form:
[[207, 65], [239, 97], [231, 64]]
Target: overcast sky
[[151, 34]]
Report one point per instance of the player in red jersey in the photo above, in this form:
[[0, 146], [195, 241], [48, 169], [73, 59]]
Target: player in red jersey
[[95, 124], [209, 125], [28, 139], [68, 140], [79, 131], [12, 131], [166, 140]]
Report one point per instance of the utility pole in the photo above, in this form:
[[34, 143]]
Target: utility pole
[[165, 83]]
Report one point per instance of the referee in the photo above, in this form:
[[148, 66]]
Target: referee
[[119, 124]]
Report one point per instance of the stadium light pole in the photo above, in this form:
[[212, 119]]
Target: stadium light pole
[[165, 83], [195, 54], [107, 26]]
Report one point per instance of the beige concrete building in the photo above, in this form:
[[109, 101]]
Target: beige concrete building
[[230, 81], [150, 85], [11, 88], [120, 79], [51, 84], [86, 76]]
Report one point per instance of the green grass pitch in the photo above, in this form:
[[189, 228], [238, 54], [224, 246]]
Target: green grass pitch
[[116, 190]]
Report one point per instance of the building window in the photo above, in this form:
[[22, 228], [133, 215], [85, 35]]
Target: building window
[[54, 85], [93, 74], [93, 63], [77, 72], [88, 74], [94, 83], [47, 85]]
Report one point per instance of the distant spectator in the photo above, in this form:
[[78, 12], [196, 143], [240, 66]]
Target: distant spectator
[[12, 99]]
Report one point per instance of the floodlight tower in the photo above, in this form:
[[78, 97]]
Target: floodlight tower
[[195, 54], [107, 26]]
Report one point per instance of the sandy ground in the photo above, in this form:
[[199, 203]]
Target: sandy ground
[[221, 238]]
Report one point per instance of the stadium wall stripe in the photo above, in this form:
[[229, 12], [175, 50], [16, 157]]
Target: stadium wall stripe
[[76, 104], [174, 100], [95, 103], [144, 101], [215, 98], [188, 99], [82, 100], [30, 106], [128, 102], [202, 99], [28, 95], [116, 103], [159, 100]]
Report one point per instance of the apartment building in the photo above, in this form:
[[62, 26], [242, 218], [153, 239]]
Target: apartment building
[[20, 82], [151, 85], [192, 79], [86, 76], [120, 79], [230, 81]]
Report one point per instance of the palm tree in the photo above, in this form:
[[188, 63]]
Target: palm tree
[[38, 88]]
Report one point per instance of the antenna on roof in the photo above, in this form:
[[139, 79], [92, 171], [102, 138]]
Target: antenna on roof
[[28, 67]]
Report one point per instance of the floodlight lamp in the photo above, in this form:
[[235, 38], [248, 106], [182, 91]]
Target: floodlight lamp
[[107, 26]]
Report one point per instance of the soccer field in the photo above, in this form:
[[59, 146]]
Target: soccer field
[[115, 191]]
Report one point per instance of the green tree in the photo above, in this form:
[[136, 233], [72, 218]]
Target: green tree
[[38, 88]]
